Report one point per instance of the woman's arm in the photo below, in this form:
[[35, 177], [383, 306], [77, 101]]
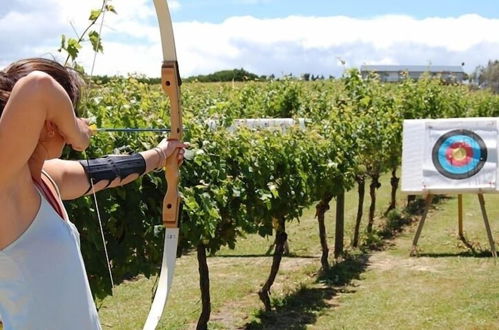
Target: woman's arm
[[73, 181], [35, 99]]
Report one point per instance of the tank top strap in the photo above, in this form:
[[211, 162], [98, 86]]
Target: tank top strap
[[58, 191], [47, 194], [56, 187]]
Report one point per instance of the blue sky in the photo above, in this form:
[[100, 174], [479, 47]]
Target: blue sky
[[262, 36], [216, 11]]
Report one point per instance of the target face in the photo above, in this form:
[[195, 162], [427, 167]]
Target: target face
[[459, 154]]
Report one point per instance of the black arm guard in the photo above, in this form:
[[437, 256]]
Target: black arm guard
[[112, 167]]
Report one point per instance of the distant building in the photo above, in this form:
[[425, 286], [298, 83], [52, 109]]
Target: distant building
[[394, 73]]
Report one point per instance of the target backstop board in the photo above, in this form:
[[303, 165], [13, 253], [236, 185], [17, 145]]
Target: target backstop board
[[456, 155]]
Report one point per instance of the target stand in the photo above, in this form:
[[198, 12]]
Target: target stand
[[451, 156], [428, 200]]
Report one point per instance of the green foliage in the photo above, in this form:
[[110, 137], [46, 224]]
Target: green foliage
[[376, 122], [237, 183], [131, 212], [394, 223], [372, 241], [72, 46], [488, 76]]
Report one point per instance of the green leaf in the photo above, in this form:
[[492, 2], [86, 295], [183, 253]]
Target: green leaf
[[111, 8], [94, 14], [73, 48], [273, 189], [95, 40], [63, 43]]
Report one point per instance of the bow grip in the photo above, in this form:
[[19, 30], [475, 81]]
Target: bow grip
[[171, 202], [170, 81]]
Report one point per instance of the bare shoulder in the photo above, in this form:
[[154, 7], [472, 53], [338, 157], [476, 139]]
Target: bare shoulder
[[35, 84], [21, 122], [38, 77], [32, 90]]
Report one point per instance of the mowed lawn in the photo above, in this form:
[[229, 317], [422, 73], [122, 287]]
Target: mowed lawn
[[447, 286]]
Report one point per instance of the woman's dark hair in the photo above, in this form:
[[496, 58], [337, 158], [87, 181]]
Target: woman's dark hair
[[68, 78]]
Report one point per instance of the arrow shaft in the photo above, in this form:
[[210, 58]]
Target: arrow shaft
[[132, 130]]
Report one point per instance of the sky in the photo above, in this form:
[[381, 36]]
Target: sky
[[265, 37]]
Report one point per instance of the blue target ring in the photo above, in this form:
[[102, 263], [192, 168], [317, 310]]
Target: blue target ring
[[459, 154]]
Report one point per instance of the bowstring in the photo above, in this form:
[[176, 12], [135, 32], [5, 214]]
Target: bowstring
[[100, 36], [100, 223], [88, 165]]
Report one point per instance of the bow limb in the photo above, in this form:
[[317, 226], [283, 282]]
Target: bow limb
[[170, 81]]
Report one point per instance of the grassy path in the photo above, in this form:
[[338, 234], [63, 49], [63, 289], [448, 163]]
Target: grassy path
[[446, 287]]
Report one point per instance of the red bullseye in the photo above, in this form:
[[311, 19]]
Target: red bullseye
[[459, 154]]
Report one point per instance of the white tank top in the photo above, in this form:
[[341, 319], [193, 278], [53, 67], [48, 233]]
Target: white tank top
[[43, 282]]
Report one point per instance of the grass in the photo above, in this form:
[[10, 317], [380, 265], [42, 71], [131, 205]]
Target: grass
[[448, 286]]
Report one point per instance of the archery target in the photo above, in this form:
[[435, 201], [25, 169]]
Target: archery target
[[456, 155], [459, 154]]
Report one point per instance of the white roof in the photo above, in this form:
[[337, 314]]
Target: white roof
[[412, 68]]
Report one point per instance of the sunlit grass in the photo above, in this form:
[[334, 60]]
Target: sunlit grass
[[448, 287]]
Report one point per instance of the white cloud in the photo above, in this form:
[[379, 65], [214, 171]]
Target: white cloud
[[282, 45], [174, 5], [312, 44]]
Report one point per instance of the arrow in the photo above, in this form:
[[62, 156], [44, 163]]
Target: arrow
[[96, 129], [130, 130]]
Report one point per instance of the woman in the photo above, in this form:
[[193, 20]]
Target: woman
[[43, 283]]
